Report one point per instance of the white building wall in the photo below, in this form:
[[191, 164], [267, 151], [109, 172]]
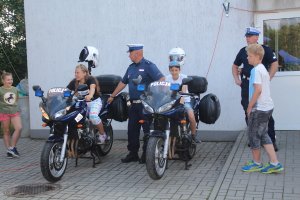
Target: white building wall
[[57, 30], [263, 5]]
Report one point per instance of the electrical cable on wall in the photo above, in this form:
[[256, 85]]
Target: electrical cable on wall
[[243, 10], [10, 63]]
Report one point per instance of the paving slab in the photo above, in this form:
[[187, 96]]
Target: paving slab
[[114, 180]]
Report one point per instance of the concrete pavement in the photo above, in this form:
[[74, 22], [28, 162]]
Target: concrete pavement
[[215, 174]]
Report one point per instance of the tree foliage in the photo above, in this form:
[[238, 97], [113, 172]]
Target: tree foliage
[[13, 39]]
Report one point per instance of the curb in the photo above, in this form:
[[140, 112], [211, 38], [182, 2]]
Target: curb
[[217, 186]]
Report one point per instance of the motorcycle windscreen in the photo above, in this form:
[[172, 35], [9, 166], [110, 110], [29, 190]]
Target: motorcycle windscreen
[[159, 94], [56, 101]]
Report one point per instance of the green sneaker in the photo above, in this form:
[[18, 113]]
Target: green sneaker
[[269, 168], [252, 167]]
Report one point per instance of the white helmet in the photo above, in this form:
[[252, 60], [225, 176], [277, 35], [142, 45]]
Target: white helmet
[[89, 54], [177, 54]]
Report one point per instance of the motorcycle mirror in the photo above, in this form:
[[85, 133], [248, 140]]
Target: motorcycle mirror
[[141, 87], [175, 87], [67, 93], [39, 93], [36, 87]]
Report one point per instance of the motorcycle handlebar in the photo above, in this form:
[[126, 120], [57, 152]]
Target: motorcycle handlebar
[[187, 94]]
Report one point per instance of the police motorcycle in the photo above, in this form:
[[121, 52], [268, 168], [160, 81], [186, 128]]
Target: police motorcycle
[[161, 101], [71, 133]]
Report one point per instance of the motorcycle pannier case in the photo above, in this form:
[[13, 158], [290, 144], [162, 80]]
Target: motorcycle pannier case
[[118, 109], [108, 83], [209, 109], [198, 85]]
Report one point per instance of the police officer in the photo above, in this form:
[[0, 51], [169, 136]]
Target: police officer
[[241, 68], [147, 72]]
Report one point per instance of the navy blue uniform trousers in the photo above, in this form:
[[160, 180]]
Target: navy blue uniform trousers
[[135, 114], [245, 102]]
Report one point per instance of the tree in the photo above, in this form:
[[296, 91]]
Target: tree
[[13, 39]]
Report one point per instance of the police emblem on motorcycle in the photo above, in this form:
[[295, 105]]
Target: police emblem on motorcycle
[[9, 98], [163, 83]]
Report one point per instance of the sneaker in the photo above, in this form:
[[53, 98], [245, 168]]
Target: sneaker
[[252, 167], [102, 138], [9, 155], [269, 168], [14, 152]]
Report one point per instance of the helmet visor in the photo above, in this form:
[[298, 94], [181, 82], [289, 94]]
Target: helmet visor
[[177, 58]]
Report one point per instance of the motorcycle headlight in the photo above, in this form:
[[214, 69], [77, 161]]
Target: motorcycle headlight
[[166, 107], [147, 107], [61, 112], [44, 114]]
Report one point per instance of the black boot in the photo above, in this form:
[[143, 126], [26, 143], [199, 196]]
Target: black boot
[[131, 157], [143, 158]]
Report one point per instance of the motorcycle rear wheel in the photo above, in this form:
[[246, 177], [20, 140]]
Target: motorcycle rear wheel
[[105, 148], [155, 163], [51, 167], [192, 147]]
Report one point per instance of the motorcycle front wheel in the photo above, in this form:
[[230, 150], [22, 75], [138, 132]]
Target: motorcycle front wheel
[[51, 167], [155, 163]]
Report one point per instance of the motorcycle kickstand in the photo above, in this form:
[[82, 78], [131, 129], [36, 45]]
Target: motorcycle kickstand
[[76, 161], [94, 155], [94, 160], [187, 165]]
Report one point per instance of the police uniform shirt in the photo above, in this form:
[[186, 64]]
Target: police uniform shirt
[[241, 58], [147, 70]]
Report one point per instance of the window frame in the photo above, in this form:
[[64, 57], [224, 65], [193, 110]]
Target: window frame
[[259, 19]]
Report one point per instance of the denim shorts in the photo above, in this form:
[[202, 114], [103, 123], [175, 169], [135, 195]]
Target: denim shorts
[[258, 128]]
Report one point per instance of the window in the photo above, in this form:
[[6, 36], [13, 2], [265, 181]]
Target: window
[[283, 36]]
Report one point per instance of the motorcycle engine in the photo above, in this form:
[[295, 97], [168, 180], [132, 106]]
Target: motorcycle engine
[[186, 144], [85, 144]]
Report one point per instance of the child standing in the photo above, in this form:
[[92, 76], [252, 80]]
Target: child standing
[[9, 114], [259, 111]]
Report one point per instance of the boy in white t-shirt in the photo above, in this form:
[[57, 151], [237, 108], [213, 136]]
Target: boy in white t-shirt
[[259, 111], [176, 77]]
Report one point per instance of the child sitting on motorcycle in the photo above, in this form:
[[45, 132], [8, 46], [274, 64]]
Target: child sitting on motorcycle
[[93, 99], [176, 57]]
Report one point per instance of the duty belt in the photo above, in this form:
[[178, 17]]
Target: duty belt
[[136, 101]]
